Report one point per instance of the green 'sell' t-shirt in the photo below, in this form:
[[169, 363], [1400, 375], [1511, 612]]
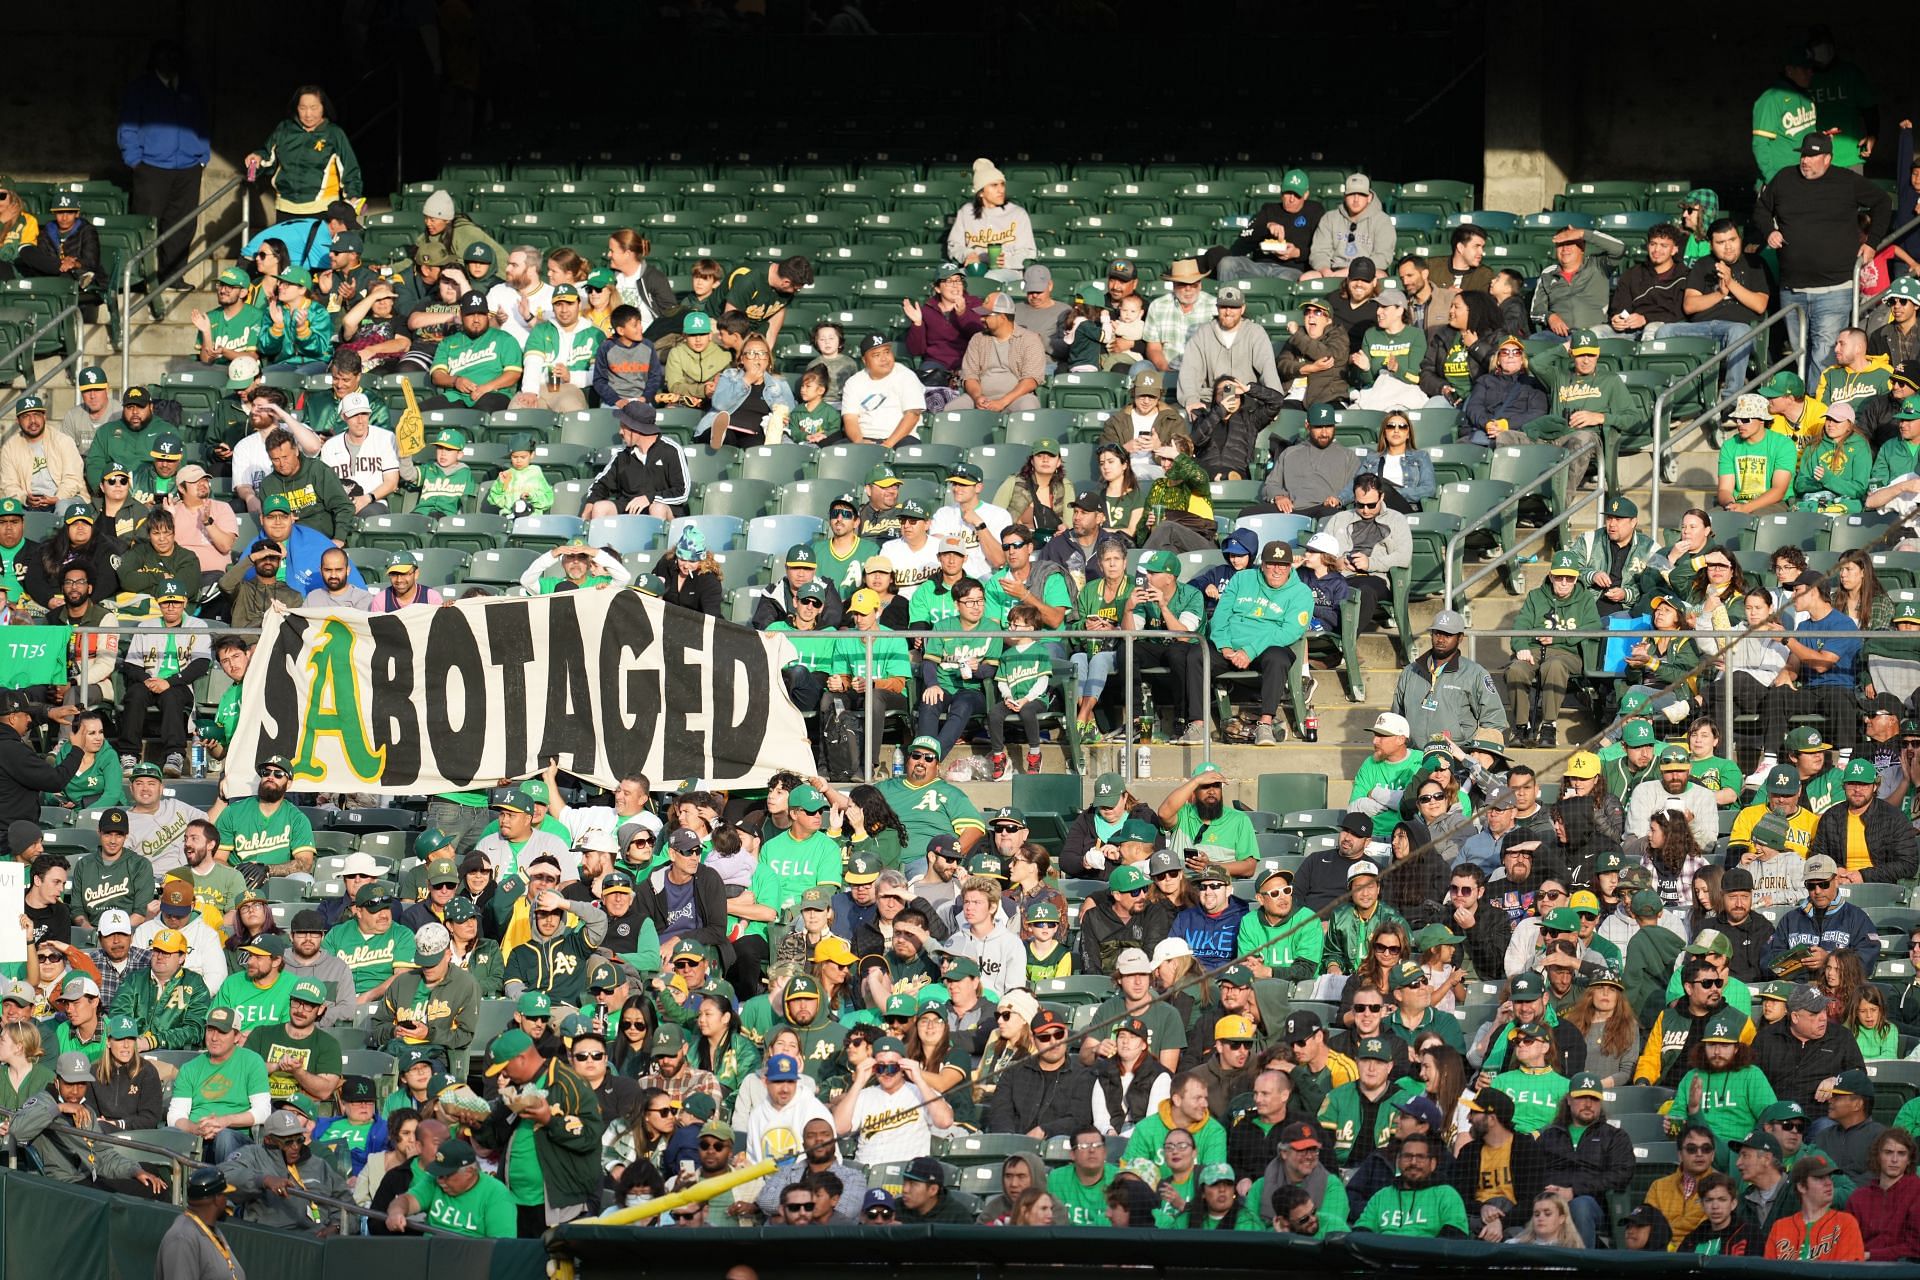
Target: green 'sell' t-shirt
[[485, 1210]]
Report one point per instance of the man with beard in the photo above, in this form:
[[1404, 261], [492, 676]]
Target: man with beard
[[1298, 1164], [1811, 932], [264, 828], [169, 1002], [434, 1004], [117, 959], [1125, 918], [1703, 993], [1201, 825], [338, 589], [1413, 1204], [234, 656], [1047, 1094], [822, 1155], [125, 441], [284, 1161], [163, 660], [308, 959], [156, 822], [1445, 692], [38, 467], [304, 1063], [1673, 791], [1746, 930]]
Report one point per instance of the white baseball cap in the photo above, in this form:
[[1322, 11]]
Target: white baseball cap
[[1170, 949], [1325, 543], [1132, 960], [355, 402], [112, 922], [1393, 723], [599, 840]]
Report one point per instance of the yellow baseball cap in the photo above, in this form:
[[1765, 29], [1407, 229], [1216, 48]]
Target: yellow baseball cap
[[1584, 764], [169, 940]]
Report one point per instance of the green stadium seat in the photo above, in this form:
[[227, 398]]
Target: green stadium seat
[[567, 461], [470, 533], [722, 532], [886, 231], [849, 464], [1438, 198], [1279, 792], [1031, 426], [441, 565], [45, 299], [743, 499], [777, 463], [628, 534], [1078, 195], [93, 195], [544, 533], [929, 462], [678, 169], [576, 197], [774, 534], [967, 428], [499, 566], [394, 532], [503, 424], [543, 231], [1087, 391], [1859, 532], [1601, 197], [1804, 529], [856, 196], [570, 497]]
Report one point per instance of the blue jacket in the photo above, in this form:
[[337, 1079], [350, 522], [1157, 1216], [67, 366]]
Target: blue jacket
[[730, 392], [1845, 925], [1240, 541], [1495, 395], [1212, 938], [162, 127], [1416, 466], [305, 547]]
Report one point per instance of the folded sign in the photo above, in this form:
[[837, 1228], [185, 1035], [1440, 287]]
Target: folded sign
[[428, 700]]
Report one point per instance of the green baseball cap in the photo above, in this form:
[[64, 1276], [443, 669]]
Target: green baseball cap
[[807, 799], [533, 1004], [1136, 830], [1561, 920], [1583, 342], [29, 404], [1638, 733], [1161, 562], [450, 438], [1296, 181], [276, 504], [1108, 788], [883, 474], [508, 1046], [1675, 757], [1622, 508], [1784, 383], [1565, 564], [234, 277], [12, 507], [1860, 769], [1128, 879], [307, 991], [696, 322], [1807, 738]]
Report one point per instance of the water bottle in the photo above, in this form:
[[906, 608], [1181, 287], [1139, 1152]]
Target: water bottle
[[899, 763], [197, 756], [1148, 719], [1143, 763]]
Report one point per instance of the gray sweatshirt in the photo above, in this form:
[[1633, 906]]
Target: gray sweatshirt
[[1208, 359], [1310, 476], [1373, 237]]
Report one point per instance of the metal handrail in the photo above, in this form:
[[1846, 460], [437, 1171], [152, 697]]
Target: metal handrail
[[1898, 233], [1793, 311], [211, 249], [237, 183], [1569, 458], [32, 340], [179, 1162]]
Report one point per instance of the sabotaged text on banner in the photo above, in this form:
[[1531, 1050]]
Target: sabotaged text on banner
[[428, 700]]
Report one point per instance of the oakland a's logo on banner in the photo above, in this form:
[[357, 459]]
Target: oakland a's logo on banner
[[429, 700]]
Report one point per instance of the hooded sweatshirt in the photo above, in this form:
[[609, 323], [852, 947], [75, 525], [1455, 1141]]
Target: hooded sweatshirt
[[1149, 1139]]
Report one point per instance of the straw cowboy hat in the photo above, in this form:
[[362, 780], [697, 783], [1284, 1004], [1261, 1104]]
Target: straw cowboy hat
[[1185, 271]]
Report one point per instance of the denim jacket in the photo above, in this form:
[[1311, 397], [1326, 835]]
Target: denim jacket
[[1419, 484], [730, 392]]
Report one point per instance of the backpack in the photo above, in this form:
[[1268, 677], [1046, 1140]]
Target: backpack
[[839, 740]]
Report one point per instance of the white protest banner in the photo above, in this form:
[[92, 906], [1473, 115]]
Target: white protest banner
[[429, 700], [13, 904]]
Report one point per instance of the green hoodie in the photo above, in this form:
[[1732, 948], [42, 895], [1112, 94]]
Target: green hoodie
[[1396, 1211], [316, 496], [1541, 614], [1149, 1140], [1255, 617], [118, 442], [1293, 948], [310, 168]]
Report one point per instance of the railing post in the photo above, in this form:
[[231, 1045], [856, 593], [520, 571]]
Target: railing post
[[870, 751]]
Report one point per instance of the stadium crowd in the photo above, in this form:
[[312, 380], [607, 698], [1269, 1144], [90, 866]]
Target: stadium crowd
[[1648, 1002]]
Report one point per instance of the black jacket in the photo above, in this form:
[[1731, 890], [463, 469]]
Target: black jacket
[[702, 592], [1081, 837], [24, 774], [1103, 937], [1601, 1162], [1890, 842], [1486, 944], [1796, 1069], [1820, 219], [657, 473], [1321, 879], [709, 904], [1749, 939], [1299, 228], [1027, 1098], [1223, 442], [1127, 1107], [775, 604]]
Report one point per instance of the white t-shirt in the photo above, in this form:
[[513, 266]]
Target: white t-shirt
[[379, 454], [504, 297], [948, 520], [880, 403], [250, 461], [910, 567], [892, 1126]]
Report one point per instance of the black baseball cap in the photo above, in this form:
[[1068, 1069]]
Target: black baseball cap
[[473, 304]]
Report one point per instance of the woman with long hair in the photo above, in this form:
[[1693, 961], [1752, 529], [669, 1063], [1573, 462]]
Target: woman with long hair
[[252, 920], [629, 1041], [1389, 945], [1551, 1224], [1443, 1075], [1460, 350], [1706, 899], [1713, 594], [1720, 1069], [690, 575], [1674, 560], [1416, 882], [1611, 1031], [643, 1133], [1219, 1206], [719, 1046], [1039, 494], [1406, 473], [1130, 1203], [872, 827], [1386, 358], [636, 281], [877, 575], [126, 1092], [1129, 1086], [403, 1144], [1535, 1081], [1841, 982], [990, 231], [943, 1067], [1661, 659], [1675, 856], [751, 403], [833, 963], [1836, 469], [1030, 880], [1034, 1208], [1010, 1041], [1872, 1026], [1181, 981], [270, 260], [80, 539], [1860, 596], [1120, 487], [1887, 1203], [308, 159]]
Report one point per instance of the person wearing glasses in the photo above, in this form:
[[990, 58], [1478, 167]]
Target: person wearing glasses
[[1280, 938], [1678, 1025]]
